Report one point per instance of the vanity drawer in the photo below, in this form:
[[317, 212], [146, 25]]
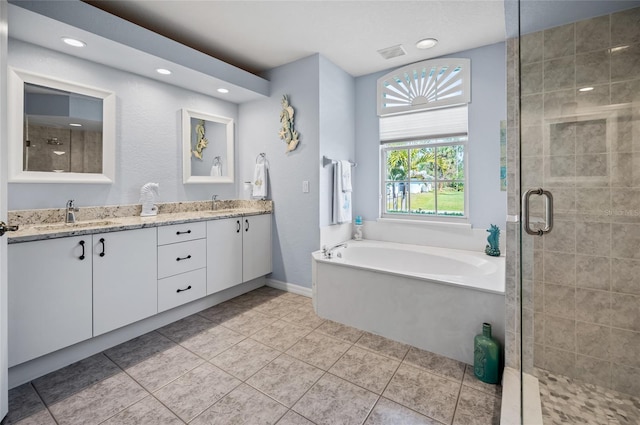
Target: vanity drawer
[[181, 257], [181, 289], [181, 232]]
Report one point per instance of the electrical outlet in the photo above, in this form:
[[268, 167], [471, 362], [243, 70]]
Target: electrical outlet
[[305, 186]]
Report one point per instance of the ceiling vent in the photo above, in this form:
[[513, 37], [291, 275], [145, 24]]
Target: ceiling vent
[[392, 52]]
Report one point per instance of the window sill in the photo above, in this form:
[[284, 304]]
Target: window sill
[[461, 223]]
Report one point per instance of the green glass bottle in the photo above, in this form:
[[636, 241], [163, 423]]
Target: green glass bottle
[[486, 356]]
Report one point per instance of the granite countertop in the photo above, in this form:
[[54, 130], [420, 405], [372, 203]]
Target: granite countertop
[[49, 224]]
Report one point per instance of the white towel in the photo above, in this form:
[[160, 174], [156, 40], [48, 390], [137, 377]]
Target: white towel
[[216, 170], [341, 199], [259, 182], [346, 176]]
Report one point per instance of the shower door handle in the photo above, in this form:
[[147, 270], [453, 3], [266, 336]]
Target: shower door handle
[[548, 211]]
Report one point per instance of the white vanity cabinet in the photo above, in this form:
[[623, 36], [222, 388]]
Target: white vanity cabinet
[[49, 296], [256, 246], [224, 254], [238, 250], [182, 261], [125, 278], [67, 290]]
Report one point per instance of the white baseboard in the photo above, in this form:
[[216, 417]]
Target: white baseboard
[[289, 287]]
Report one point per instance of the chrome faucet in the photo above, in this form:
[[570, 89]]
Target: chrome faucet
[[214, 202], [328, 252], [70, 217]]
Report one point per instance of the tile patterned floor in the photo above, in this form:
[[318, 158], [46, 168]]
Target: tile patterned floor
[[261, 358], [565, 401]]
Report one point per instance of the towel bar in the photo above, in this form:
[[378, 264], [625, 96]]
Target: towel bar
[[326, 161]]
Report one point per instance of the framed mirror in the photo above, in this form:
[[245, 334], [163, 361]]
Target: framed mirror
[[59, 131], [207, 153]]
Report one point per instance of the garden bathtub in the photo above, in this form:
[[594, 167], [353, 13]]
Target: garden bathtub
[[432, 298]]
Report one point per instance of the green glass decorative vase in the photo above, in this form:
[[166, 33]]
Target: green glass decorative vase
[[486, 356]]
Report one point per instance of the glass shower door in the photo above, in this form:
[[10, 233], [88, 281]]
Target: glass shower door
[[578, 240]]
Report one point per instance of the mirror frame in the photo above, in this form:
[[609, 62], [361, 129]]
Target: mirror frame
[[187, 115], [16, 80]]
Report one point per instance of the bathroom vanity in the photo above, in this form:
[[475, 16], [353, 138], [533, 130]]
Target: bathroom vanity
[[72, 283]]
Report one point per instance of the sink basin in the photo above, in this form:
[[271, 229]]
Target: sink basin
[[71, 226]]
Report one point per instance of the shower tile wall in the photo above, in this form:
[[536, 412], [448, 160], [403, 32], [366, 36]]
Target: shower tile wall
[[581, 283], [82, 150]]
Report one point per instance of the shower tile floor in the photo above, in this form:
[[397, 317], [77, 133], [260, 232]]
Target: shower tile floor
[[261, 358], [565, 401]]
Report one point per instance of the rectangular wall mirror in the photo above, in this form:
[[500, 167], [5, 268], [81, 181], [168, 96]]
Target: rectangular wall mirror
[[59, 131], [208, 142]]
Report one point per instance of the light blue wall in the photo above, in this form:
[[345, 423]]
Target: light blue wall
[[148, 134], [337, 127], [487, 204], [322, 95], [295, 227]]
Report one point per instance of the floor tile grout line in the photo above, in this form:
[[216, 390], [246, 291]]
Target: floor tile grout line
[[299, 398], [324, 372], [212, 404], [43, 403], [430, 373], [372, 408], [149, 393], [275, 348], [455, 409], [152, 393], [145, 388], [101, 380], [381, 395]]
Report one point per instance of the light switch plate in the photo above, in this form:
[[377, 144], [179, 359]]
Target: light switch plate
[[305, 186]]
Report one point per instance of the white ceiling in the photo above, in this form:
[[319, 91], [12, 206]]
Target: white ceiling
[[260, 35]]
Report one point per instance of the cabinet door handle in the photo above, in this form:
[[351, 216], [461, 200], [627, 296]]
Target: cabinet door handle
[[182, 233], [238, 228], [82, 245], [102, 242], [185, 289], [183, 258], [246, 229]]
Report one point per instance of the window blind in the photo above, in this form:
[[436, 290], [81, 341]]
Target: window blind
[[428, 124]]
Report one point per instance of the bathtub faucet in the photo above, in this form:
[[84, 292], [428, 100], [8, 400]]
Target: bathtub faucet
[[328, 252]]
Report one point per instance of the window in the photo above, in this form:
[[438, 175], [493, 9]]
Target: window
[[423, 136], [424, 177]]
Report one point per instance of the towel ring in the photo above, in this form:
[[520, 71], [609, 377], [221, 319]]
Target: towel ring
[[262, 156]]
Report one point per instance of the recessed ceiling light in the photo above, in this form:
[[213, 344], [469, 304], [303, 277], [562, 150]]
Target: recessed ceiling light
[[163, 71], [74, 42], [426, 43], [221, 90], [586, 89], [75, 124]]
